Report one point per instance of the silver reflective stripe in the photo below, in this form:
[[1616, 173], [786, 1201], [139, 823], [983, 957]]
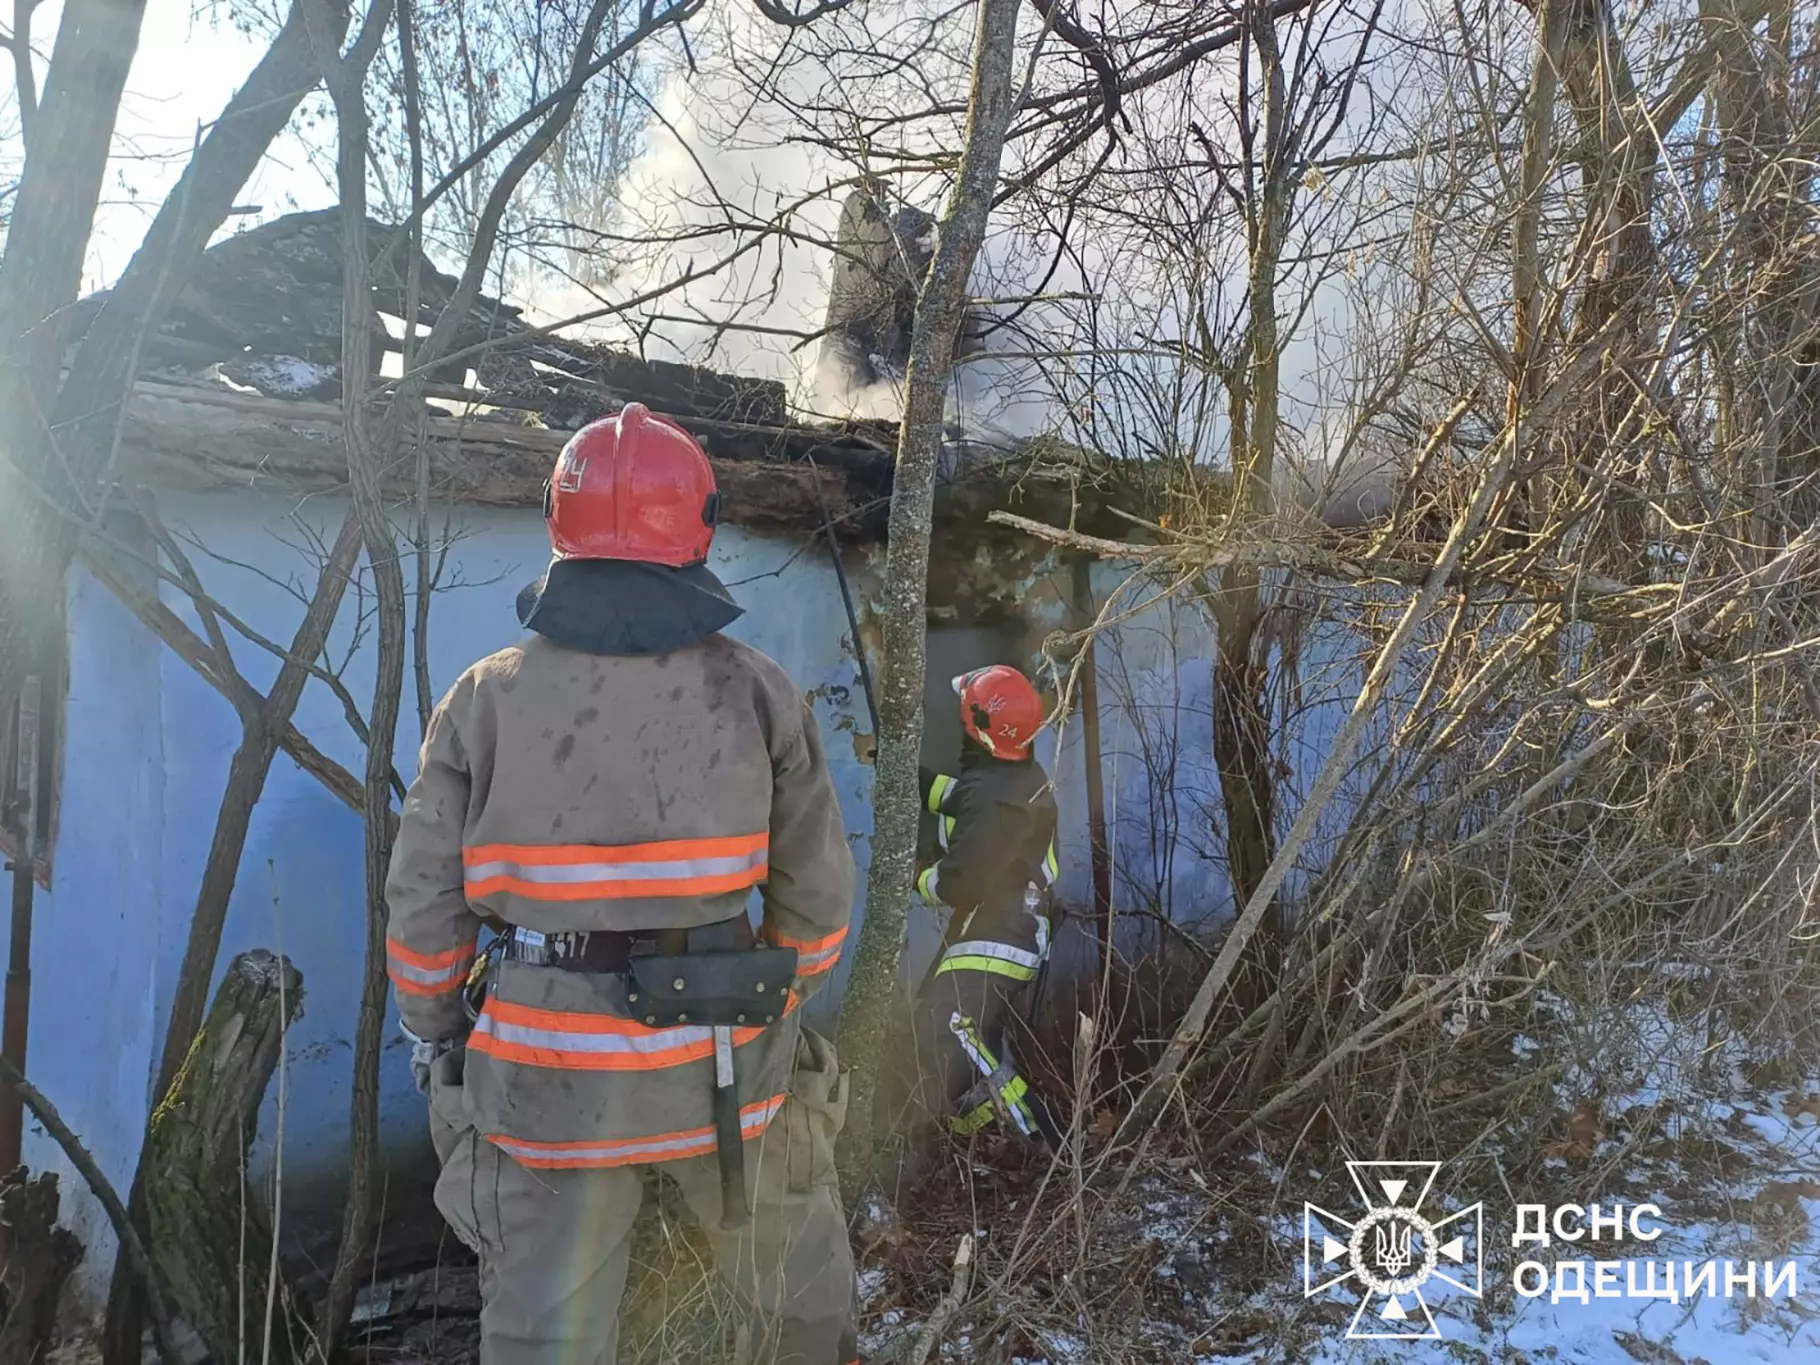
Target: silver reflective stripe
[[670, 869], [1042, 934], [442, 976], [1002, 952], [814, 962], [971, 1043], [662, 1145], [656, 1040], [654, 1147]]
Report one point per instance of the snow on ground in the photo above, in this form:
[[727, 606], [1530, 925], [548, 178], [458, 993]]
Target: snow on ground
[[1734, 1167]]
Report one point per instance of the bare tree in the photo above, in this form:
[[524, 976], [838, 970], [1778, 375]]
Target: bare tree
[[903, 615], [346, 78]]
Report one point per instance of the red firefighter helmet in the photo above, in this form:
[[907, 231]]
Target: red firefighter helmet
[[1000, 709], [632, 486]]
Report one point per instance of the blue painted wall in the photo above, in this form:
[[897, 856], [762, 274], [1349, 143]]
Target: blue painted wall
[[146, 760], [149, 745], [100, 932]]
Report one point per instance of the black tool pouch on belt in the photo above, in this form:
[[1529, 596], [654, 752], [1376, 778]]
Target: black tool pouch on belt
[[743, 988]]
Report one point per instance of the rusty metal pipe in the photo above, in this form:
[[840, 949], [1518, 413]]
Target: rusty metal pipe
[[22, 818]]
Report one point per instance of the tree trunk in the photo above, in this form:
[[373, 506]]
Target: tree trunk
[[47, 237], [210, 1237], [36, 1258], [364, 456], [1553, 18], [1099, 849], [1766, 152], [1241, 732], [866, 1010], [101, 373]]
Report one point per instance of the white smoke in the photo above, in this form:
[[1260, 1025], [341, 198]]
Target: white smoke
[[736, 197], [730, 212]]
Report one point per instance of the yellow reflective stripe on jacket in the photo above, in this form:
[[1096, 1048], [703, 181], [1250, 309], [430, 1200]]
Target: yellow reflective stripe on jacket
[[984, 955], [926, 886], [1051, 866], [939, 787], [944, 831], [753, 1120], [986, 964]]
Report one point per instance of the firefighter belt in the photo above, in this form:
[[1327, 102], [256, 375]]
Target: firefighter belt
[[712, 977]]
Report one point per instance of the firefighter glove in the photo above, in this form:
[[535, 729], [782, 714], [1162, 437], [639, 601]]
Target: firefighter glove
[[424, 1053]]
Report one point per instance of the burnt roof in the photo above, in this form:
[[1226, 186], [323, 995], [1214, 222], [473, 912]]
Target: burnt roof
[[242, 384]]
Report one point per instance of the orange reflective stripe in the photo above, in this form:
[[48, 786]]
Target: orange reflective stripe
[[753, 1119], [814, 955], [571, 872], [417, 973], [562, 1040]]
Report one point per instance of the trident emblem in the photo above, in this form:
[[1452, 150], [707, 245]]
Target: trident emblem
[[1390, 1243], [1392, 1251]]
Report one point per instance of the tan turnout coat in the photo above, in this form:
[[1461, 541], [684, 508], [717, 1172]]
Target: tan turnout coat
[[562, 791]]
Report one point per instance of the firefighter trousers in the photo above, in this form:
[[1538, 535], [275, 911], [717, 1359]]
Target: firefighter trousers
[[950, 1082], [554, 1244]]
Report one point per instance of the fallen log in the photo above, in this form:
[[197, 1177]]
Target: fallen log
[[210, 1235]]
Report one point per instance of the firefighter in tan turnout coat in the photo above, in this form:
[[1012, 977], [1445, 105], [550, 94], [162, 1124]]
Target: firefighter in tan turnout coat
[[602, 799]]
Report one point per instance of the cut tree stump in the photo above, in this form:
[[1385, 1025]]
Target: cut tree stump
[[36, 1258], [211, 1236]]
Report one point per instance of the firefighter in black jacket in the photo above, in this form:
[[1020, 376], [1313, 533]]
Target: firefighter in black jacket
[[994, 863]]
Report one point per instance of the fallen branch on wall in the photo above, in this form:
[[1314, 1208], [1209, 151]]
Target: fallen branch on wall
[[1555, 580], [197, 653]]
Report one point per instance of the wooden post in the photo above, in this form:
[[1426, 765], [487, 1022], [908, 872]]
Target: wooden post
[[21, 816]]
